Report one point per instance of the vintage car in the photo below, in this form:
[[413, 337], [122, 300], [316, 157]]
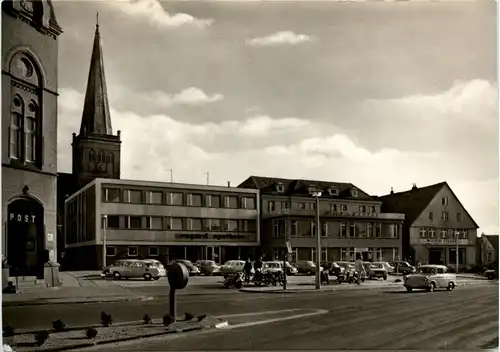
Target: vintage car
[[232, 267], [403, 267], [307, 267], [390, 269], [375, 270], [192, 269], [130, 269], [208, 267], [431, 277]]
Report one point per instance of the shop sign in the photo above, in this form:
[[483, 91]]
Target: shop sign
[[206, 236], [443, 241], [361, 215], [360, 250], [18, 217]]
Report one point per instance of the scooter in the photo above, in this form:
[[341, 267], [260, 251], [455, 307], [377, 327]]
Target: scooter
[[235, 280]]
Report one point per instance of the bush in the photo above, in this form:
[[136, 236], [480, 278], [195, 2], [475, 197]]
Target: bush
[[146, 319], [91, 332], [41, 337], [201, 317], [8, 331], [188, 316], [58, 325], [106, 319], [167, 319]]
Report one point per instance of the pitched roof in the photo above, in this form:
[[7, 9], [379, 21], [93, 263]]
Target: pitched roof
[[96, 117], [412, 202], [493, 240], [300, 187]]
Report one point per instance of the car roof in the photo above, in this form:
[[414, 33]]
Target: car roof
[[436, 266]]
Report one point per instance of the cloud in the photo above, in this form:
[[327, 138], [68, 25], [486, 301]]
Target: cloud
[[154, 12], [280, 38], [189, 96]]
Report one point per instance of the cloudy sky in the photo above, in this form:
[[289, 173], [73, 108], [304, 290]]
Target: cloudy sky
[[377, 94]]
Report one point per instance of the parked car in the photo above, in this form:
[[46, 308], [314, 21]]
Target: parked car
[[404, 268], [192, 269], [272, 266], [119, 262], [134, 268], [491, 274], [232, 267], [208, 267], [375, 270], [291, 270], [431, 277], [306, 267], [345, 265], [390, 269], [157, 264]]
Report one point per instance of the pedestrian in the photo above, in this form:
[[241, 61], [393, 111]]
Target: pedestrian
[[247, 268], [360, 268], [418, 264], [258, 267]]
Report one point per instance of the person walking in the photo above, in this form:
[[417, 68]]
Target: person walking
[[360, 268], [247, 269]]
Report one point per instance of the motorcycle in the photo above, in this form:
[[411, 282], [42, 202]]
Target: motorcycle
[[264, 278], [235, 280]]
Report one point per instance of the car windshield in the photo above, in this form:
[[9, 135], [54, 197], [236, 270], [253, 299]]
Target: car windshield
[[376, 265], [234, 263], [155, 264], [427, 270]]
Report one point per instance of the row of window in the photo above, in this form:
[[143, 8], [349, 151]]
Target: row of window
[[445, 216], [280, 188], [443, 233], [307, 228], [173, 223], [178, 198], [273, 206]]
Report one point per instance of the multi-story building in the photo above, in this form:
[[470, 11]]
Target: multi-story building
[[488, 249], [29, 134], [351, 221], [435, 221], [159, 220]]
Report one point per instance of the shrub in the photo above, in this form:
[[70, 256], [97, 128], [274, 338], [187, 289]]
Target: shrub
[[91, 332], [167, 319], [41, 337], [8, 331], [58, 325], [201, 317], [146, 319], [106, 319], [188, 316]]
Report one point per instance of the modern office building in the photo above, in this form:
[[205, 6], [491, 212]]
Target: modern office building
[[166, 221], [434, 217], [29, 134], [351, 221]]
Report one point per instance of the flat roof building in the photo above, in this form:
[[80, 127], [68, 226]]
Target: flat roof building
[[160, 220]]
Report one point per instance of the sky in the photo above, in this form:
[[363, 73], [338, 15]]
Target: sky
[[378, 94]]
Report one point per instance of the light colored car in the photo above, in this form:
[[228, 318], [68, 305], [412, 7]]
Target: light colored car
[[272, 266], [119, 262], [208, 267], [431, 277], [290, 269], [157, 264], [232, 267], [307, 267], [390, 269], [135, 268], [375, 270]]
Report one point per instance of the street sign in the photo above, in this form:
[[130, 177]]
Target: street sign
[[289, 247]]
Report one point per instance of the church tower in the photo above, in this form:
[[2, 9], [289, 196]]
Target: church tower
[[96, 151]]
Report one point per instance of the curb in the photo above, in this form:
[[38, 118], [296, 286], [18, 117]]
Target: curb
[[80, 301], [91, 344]]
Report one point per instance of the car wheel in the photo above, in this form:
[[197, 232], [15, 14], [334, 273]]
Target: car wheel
[[432, 287], [451, 286], [117, 275], [490, 277], [385, 277], [409, 289], [147, 277]]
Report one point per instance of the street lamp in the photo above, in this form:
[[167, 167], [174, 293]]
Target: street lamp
[[456, 251], [317, 194], [104, 225]]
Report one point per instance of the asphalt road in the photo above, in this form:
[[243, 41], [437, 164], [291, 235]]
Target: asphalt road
[[466, 318]]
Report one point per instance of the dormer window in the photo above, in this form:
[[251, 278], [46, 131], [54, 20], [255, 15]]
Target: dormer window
[[280, 188], [354, 192], [333, 191]]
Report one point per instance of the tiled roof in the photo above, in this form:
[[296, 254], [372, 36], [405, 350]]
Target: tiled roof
[[297, 187], [412, 202], [493, 240]]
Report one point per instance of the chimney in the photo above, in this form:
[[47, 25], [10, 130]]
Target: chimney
[[229, 183], [414, 186], [392, 190]]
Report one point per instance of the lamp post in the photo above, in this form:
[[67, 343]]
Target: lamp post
[[317, 194], [456, 251], [104, 225]]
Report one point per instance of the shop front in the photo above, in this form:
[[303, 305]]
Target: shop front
[[444, 251]]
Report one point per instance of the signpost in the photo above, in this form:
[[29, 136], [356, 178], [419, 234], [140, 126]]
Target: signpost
[[288, 251]]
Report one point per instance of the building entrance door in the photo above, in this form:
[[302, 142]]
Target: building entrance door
[[213, 253], [435, 256]]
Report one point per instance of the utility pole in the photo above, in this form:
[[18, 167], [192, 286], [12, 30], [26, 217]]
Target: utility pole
[[208, 177], [456, 251], [171, 175]]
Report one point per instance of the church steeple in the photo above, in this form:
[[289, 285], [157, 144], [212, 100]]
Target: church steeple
[[96, 117]]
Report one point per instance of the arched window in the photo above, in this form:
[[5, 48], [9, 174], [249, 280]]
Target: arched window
[[25, 135], [91, 155]]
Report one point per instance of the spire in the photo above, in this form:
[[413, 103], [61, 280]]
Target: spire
[[96, 117]]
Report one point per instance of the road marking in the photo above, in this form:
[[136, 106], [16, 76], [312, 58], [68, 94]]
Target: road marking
[[267, 321]]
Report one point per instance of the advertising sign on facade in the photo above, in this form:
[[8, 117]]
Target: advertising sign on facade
[[443, 241], [358, 250], [355, 214], [206, 236]]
